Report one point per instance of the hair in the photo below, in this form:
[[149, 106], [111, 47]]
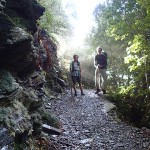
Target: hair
[[98, 48], [75, 56]]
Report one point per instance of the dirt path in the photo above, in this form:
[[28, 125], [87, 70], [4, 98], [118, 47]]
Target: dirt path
[[88, 127]]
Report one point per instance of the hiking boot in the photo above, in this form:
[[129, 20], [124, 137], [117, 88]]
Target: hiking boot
[[82, 94], [104, 91], [97, 91]]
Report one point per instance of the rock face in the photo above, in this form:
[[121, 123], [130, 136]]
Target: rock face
[[29, 10], [5, 26], [16, 49], [8, 87], [27, 57], [13, 114], [5, 139], [16, 52]]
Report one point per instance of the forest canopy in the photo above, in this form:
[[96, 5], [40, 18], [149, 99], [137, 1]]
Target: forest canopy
[[54, 19]]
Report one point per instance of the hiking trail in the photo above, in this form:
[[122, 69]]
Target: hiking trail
[[88, 126]]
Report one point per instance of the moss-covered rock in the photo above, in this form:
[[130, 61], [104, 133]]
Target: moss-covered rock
[[9, 89], [7, 82], [50, 119], [37, 123]]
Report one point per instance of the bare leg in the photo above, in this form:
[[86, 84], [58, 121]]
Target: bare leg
[[80, 85], [74, 87], [104, 79], [97, 80]]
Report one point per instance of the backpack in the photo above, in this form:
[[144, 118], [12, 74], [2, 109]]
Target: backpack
[[105, 54], [73, 65]]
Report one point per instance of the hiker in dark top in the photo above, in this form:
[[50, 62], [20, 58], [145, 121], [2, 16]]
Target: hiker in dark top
[[75, 70], [100, 62]]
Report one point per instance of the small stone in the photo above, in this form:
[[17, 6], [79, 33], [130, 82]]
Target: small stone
[[87, 145], [86, 141], [51, 130], [66, 133]]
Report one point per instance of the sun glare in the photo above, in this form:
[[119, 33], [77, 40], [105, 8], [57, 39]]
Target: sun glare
[[80, 15]]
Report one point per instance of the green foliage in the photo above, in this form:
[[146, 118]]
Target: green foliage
[[122, 23], [18, 146], [127, 90], [54, 19], [3, 113], [50, 119], [130, 108], [19, 22], [123, 30]]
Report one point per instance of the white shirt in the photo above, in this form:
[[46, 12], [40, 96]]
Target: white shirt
[[76, 69]]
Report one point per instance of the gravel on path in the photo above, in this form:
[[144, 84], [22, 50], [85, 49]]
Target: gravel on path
[[87, 126]]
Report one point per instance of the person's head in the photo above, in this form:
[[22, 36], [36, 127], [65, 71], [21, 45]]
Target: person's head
[[75, 57], [99, 50]]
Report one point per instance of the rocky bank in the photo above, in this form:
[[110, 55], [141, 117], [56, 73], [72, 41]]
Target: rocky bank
[[29, 74]]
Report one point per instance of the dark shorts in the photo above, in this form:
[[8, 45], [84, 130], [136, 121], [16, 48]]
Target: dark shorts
[[76, 79]]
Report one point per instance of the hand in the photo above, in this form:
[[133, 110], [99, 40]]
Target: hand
[[99, 66]]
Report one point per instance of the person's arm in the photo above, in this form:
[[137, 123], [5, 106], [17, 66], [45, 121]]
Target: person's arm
[[80, 69], [95, 62], [71, 67], [105, 62]]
